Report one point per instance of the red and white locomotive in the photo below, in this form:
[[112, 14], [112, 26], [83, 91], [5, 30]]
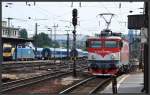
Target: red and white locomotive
[[108, 54]]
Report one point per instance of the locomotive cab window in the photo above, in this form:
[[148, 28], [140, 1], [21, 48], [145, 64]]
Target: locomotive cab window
[[111, 44], [96, 44], [87, 43], [121, 44], [7, 49]]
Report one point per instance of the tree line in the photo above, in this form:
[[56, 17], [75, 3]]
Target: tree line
[[41, 39]]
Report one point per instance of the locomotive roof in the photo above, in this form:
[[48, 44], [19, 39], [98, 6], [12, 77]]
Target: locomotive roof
[[110, 37], [39, 49], [58, 49]]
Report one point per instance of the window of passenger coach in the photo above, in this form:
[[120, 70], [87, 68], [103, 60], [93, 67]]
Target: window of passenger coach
[[111, 44], [96, 44]]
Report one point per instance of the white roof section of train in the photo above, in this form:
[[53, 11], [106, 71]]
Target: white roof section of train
[[111, 37]]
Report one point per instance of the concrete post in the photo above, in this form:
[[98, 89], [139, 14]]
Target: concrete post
[[36, 39]]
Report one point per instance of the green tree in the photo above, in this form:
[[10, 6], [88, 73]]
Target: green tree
[[23, 33], [55, 44], [42, 40]]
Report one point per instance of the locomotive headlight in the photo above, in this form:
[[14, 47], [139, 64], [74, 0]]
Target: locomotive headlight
[[92, 57], [113, 57]]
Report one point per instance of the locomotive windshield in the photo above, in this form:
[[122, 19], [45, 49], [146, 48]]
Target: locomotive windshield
[[96, 44], [7, 49], [104, 43], [111, 44]]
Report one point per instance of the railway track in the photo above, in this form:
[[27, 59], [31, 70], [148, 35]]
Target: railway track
[[87, 86], [21, 64], [28, 81], [32, 80]]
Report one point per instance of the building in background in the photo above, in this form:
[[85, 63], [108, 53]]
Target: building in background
[[9, 32]]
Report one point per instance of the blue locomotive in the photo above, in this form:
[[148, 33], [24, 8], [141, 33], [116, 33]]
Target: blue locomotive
[[24, 54], [9, 53]]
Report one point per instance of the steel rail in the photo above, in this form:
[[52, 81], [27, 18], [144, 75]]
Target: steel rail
[[31, 80], [76, 85], [99, 86], [93, 91], [19, 64]]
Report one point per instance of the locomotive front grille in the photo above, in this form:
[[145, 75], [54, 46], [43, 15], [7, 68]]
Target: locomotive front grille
[[106, 64]]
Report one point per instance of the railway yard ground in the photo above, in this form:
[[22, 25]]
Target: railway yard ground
[[58, 79]]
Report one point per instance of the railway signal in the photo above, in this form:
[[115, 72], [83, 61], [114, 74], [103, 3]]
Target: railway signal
[[74, 22], [74, 19]]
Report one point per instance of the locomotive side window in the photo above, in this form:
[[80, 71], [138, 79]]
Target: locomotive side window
[[111, 44], [121, 44], [96, 44], [87, 43]]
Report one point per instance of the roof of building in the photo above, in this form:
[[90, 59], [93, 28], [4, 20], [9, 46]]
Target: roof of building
[[15, 40]]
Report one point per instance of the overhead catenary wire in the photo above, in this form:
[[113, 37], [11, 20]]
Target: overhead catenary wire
[[116, 17], [47, 13]]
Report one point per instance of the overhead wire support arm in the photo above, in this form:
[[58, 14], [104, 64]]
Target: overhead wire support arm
[[107, 22]]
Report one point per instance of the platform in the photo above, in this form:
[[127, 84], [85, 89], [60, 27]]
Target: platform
[[128, 83]]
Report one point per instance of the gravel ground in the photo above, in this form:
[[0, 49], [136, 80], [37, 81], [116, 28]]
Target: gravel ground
[[52, 86], [21, 75]]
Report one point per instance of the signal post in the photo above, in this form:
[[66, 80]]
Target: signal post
[[74, 52]]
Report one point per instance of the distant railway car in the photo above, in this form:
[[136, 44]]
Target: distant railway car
[[7, 52], [24, 54], [43, 53], [59, 52], [46, 53], [107, 55], [39, 53], [62, 53], [80, 53]]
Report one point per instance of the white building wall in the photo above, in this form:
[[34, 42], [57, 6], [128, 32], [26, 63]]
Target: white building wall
[[14, 32]]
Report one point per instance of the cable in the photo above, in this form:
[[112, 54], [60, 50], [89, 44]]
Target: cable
[[110, 12]]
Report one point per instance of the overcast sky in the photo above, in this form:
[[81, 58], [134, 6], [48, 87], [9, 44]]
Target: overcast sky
[[60, 13]]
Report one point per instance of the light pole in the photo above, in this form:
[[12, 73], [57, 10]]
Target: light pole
[[67, 45], [50, 29], [67, 42], [36, 43], [55, 26], [36, 39], [36, 30], [9, 18]]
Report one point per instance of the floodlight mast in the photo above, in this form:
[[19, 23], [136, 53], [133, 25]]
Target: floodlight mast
[[107, 22]]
